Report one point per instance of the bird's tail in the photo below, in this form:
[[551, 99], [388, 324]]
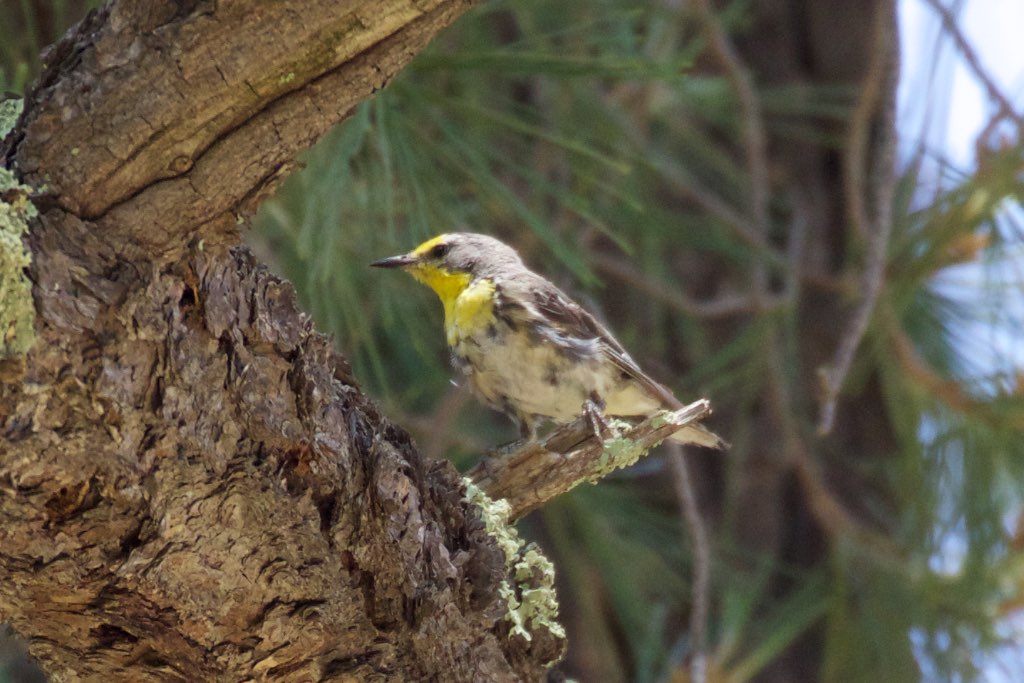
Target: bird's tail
[[699, 435]]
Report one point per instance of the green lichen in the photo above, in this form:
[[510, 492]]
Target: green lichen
[[531, 599], [618, 452], [10, 110], [17, 312], [661, 418]]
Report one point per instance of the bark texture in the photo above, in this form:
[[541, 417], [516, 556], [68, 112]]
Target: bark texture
[[192, 485]]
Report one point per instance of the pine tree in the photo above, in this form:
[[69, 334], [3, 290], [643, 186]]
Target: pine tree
[[724, 185]]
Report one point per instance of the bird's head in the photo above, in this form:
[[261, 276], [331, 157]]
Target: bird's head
[[449, 263]]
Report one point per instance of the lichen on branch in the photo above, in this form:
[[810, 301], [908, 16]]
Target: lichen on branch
[[17, 312], [530, 596], [531, 474]]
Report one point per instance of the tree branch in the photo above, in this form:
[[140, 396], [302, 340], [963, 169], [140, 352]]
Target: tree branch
[[534, 473]]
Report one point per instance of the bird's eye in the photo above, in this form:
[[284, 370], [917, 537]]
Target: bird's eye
[[439, 251]]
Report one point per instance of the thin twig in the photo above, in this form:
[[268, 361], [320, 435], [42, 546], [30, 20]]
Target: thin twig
[[686, 493], [971, 57], [876, 105], [826, 509], [757, 170], [862, 120]]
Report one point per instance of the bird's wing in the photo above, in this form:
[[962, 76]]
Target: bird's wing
[[561, 321], [575, 330]]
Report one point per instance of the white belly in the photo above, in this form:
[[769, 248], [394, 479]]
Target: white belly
[[530, 376]]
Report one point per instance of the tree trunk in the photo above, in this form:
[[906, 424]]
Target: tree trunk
[[192, 485]]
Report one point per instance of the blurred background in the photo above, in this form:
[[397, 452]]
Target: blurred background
[[691, 176]]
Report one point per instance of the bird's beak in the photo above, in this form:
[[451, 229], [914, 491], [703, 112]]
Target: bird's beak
[[395, 261]]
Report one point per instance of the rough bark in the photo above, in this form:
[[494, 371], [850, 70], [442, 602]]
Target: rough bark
[[192, 485]]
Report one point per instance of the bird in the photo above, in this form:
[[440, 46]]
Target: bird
[[528, 349]]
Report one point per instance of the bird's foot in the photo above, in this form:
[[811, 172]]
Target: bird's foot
[[593, 411]]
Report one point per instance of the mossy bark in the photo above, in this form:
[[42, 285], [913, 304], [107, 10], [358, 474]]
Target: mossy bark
[[192, 484]]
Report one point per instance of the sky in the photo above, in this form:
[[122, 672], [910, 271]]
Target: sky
[[994, 29], [934, 72], [942, 102]]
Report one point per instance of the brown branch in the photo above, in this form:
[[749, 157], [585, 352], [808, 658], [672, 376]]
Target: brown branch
[[696, 528], [535, 473], [876, 110], [133, 116], [183, 137]]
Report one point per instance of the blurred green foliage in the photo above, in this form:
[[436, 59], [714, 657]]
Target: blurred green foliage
[[589, 136], [582, 134], [26, 27]]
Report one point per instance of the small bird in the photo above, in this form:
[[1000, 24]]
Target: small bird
[[529, 350]]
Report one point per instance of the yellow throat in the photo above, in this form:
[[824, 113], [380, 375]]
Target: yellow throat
[[468, 305]]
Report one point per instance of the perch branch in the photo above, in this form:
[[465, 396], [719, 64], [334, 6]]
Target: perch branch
[[532, 474]]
